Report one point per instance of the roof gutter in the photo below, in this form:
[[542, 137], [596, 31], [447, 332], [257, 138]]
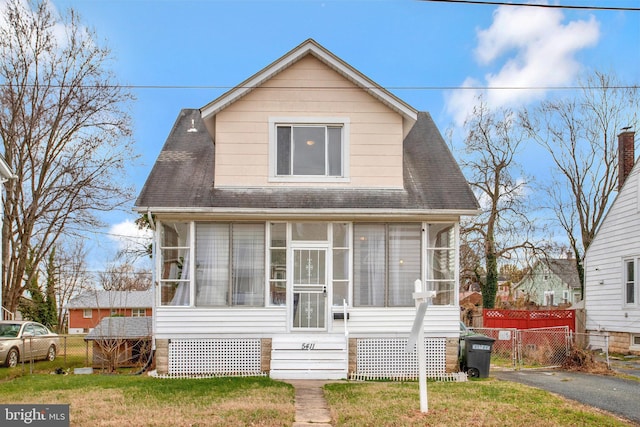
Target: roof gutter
[[298, 212]]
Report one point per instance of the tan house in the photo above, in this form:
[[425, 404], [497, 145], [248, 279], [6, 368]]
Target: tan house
[[292, 216]]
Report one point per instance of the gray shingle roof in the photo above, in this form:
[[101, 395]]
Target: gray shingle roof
[[121, 328], [183, 174], [112, 299], [566, 270]]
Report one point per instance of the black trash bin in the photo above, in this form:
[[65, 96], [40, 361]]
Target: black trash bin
[[477, 354]]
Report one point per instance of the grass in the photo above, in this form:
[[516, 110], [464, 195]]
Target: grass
[[115, 400], [485, 402]]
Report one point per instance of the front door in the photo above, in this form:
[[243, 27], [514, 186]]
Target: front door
[[309, 285]]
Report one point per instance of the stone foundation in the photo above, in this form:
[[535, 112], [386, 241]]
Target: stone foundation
[[162, 356], [620, 342]]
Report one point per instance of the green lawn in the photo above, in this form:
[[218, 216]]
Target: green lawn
[[127, 400]]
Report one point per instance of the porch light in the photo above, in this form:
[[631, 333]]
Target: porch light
[[310, 142]]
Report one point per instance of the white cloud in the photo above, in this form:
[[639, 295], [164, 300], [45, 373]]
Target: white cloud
[[127, 236], [537, 50]]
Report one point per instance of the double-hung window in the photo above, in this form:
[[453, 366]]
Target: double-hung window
[[629, 282], [306, 150]]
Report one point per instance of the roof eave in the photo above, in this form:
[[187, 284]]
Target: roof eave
[[307, 212], [309, 47]]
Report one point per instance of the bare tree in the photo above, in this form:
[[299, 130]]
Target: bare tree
[[73, 277], [66, 134], [124, 277], [503, 228], [580, 134]]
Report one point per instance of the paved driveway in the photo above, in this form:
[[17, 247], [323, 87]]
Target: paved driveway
[[610, 393]]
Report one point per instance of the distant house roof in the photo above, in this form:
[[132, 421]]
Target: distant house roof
[[112, 299], [121, 328], [183, 175], [564, 269]]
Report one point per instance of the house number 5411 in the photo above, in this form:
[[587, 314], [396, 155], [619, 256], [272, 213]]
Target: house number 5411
[[308, 345]]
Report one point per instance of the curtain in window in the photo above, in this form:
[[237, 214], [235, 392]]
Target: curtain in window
[[369, 259], [248, 276], [212, 264], [181, 297], [404, 262]]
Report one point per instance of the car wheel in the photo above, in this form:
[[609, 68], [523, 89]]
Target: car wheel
[[51, 354], [473, 373], [13, 357]]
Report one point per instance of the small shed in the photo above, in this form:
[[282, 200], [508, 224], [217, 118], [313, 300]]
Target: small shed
[[121, 342]]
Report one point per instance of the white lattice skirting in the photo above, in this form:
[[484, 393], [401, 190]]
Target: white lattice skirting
[[215, 357], [386, 358]]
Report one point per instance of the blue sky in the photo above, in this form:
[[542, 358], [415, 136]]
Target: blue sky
[[407, 46]]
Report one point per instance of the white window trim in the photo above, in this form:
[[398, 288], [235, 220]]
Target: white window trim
[[624, 282], [84, 313], [138, 312], [158, 265], [633, 346], [426, 274], [344, 122]]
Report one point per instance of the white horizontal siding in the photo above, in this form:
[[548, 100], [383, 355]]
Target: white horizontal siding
[[617, 238], [439, 321], [172, 322], [210, 323]]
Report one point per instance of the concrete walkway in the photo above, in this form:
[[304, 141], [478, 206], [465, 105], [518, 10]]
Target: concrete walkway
[[311, 407]]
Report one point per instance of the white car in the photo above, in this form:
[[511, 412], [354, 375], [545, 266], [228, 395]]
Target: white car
[[25, 340]]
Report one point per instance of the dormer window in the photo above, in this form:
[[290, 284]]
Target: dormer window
[[304, 150]]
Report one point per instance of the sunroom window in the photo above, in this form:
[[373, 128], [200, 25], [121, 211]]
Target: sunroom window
[[229, 264], [386, 263], [174, 264], [441, 263]]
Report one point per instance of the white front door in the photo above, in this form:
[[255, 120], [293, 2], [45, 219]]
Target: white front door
[[309, 286]]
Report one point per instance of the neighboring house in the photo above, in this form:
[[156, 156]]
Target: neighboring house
[[305, 192], [551, 282], [88, 309], [5, 174], [612, 263], [121, 342]]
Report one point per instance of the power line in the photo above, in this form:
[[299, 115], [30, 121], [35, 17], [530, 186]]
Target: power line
[[421, 88], [549, 6]]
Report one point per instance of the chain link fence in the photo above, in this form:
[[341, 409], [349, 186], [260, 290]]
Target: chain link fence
[[518, 348], [35, 354]]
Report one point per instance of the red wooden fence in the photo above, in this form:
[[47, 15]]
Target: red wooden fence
[[528, 319]]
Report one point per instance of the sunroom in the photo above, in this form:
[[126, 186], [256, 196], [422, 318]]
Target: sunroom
[[311, 269]]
